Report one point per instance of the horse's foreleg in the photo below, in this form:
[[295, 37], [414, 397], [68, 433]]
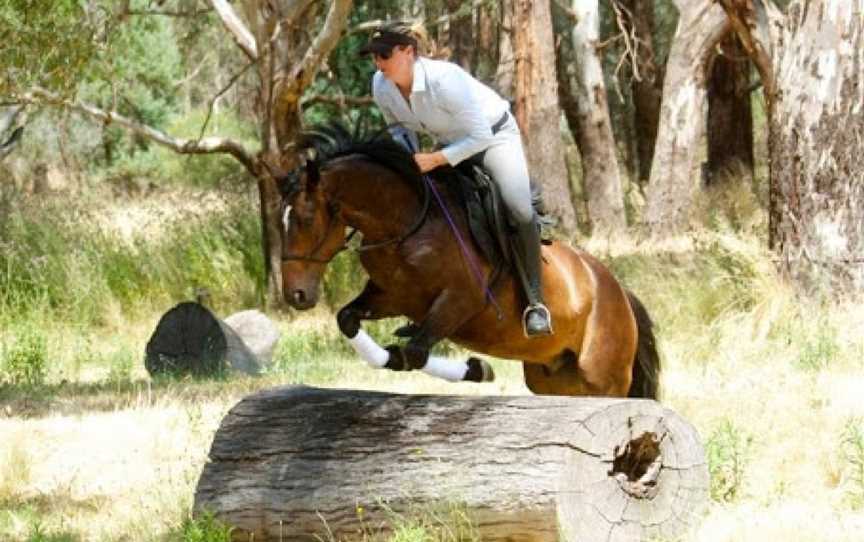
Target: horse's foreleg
[[448, 312], [369, 305]]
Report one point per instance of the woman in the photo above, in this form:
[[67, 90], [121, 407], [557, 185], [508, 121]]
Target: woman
[[440, 98]]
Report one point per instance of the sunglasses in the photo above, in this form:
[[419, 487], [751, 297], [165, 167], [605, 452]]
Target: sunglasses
[[383, 56]]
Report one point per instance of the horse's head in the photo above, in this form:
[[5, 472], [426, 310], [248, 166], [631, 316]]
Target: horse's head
[[313, 233]]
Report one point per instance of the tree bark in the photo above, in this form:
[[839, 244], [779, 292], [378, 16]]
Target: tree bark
[[646, 84], [810, 61], [537, 109], [297, 462], [730, 114], [592, 127], [460, 34], [701, 25]]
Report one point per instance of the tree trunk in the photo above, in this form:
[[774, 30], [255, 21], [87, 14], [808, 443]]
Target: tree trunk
[[485, 60], [701, 25], [730, 115], [505, 72], [295, 463], [460, 35], [646, 85], [592, 127], [537, 109], [814, 89]]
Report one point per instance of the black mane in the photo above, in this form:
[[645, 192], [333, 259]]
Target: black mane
[[331, 141]]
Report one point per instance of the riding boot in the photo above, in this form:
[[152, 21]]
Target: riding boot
[[536, 319]]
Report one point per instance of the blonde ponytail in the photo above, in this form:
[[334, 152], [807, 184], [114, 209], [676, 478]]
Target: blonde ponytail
[[426, 46]]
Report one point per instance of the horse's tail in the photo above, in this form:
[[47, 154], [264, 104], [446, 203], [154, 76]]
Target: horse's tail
[[646, 366]]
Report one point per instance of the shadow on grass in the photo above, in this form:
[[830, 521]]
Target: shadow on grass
[[67, 398]]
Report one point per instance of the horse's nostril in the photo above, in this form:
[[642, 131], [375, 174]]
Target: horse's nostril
[[299, 296]]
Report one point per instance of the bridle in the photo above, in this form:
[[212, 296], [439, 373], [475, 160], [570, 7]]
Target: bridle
[[312, 257]]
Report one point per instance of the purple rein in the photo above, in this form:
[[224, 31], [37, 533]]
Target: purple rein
[[464, 247]]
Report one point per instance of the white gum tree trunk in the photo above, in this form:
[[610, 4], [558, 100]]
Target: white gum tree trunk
[[600, 169], [812, 66], [674, 177]]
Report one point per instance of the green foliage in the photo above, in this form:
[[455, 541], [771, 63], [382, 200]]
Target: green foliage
[[819, 348], [66, 260], [45, 43], [38, 533], [204, 528], [852, 446], [728, 450], [25, 362]]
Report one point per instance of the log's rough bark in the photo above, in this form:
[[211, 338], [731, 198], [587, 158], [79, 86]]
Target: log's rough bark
[[592, 128], [674, 178], [296, 462], [537, 109], [810, 61]]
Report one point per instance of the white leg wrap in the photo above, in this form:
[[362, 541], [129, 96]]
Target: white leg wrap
[[369, 350], [448, 369]]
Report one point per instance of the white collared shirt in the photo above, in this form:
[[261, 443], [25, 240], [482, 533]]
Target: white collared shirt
[[445, 102]]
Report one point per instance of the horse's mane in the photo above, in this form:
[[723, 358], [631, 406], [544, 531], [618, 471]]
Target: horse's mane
[[334, 140]]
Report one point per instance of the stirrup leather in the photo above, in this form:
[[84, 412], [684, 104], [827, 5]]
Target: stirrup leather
[[536, 307]]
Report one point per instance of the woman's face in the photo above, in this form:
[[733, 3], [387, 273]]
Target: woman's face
[[398, 65]]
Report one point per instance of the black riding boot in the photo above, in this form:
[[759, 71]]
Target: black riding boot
[[536, 319]]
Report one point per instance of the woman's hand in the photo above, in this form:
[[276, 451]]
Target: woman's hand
[[427, 161]]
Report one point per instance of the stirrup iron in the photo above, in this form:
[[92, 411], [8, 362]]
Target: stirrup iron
[[541, 308]]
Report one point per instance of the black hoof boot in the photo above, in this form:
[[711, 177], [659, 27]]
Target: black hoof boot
[[407, 331]]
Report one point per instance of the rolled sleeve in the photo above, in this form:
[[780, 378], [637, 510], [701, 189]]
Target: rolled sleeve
[[457, 98]]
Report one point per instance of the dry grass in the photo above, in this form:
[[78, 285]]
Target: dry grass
[[772, 383]]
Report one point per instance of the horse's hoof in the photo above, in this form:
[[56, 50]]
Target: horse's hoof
[[479, 371], [396, 361]]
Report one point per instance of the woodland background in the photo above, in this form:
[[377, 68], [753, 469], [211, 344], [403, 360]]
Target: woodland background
[[708, 152]]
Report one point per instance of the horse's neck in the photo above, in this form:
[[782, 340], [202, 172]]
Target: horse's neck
[[375, 201]]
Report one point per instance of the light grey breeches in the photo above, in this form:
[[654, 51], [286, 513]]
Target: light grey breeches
[[504, 160]]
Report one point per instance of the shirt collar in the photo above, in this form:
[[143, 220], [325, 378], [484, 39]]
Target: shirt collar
[[419, 82]]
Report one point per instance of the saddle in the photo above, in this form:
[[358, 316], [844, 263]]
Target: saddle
[[488, 219]]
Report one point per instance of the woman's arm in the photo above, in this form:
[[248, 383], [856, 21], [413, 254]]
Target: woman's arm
[[456, 96]]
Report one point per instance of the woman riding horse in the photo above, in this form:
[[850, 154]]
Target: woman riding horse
[[421, 94]]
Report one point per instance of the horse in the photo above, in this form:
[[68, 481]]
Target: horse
[[603, 342]]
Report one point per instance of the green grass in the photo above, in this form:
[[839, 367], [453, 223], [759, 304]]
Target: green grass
[[67, 262]]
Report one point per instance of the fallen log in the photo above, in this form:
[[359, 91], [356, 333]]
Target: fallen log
[[295, 463]]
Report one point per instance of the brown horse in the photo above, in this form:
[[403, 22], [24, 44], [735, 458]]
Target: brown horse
[[602, 342]]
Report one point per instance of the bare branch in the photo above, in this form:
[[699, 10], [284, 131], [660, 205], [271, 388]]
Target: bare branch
[[207, 145], [566, 10], [461, 14], [149, 12], [339, 100], [222, 91], [324, 41], [242, 36]]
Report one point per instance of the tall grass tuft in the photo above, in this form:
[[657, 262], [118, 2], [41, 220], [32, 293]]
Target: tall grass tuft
[[68, 260], [852, 446], [25, 361], [728, 449]]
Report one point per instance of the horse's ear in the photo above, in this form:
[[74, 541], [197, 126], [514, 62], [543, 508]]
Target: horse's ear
[[313, 174]]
